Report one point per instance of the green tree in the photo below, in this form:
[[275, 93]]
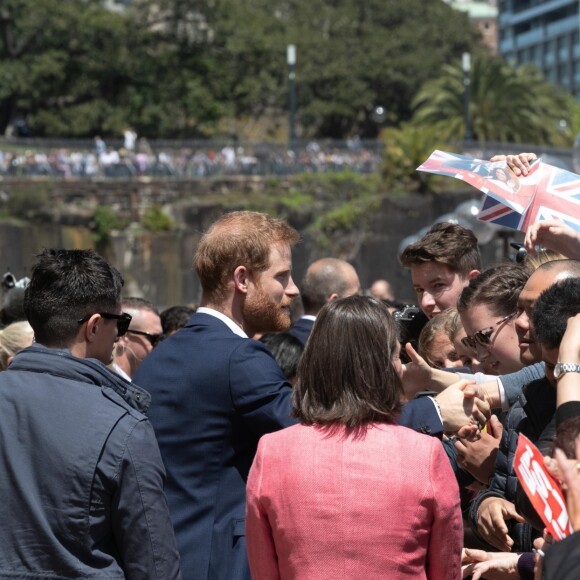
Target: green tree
[[406, 147], [351, 56], [506, 104]]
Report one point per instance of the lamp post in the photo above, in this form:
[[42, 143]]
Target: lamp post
[[466, 65], [291, 60]]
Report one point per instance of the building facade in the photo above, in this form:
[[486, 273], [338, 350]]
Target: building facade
[[545, 33], [483, 15]]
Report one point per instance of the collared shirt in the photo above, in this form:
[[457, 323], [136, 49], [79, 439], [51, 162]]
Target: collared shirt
[[308, 317], [115, 367], [235, 328]]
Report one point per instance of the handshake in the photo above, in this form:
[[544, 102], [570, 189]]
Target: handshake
[[461, 403]]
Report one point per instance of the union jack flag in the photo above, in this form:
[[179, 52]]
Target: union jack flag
[[547, 192]]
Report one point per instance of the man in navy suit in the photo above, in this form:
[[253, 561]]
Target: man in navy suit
[[215, 392], [325, 280]]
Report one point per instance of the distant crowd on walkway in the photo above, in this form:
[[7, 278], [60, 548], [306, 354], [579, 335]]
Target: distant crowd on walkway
[[138, 158]]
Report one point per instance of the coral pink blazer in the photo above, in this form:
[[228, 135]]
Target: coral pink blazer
[[326, 506]]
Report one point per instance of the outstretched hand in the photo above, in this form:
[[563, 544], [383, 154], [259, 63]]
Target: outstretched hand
[[567, 471], [490, 565], [460, 406], [419, 376], [491, 524], [554, 235], [519, 164], [478, 457]]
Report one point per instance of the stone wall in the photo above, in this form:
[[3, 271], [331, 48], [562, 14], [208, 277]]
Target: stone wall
[[159, 265]]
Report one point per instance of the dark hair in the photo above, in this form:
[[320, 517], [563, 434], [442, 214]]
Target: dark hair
[[448, 244], [175, 317], [286, 349], [67, 285], [324, 277], [346, 374], [498, 287], [566, 434], [553, 308]]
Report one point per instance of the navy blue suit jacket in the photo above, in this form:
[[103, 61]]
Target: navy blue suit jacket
[[301, 329], [213, 395]]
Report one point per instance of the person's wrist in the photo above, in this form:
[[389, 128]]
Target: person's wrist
[[490, 394]]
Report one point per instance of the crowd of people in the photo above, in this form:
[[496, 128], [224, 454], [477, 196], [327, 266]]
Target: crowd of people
[[277, 430], [138, 158]]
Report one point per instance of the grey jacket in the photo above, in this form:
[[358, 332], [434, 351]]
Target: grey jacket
[[81, 477]]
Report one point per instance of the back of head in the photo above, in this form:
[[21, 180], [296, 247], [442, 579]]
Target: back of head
[[351, 381], [13, 338], [552, 310], [65, 286], [381, 290], [533, 262], [448, 244], [286, 349], [175, 317], [325, 277], [241, 238], [138, 303], [560, 269], [497, 287]]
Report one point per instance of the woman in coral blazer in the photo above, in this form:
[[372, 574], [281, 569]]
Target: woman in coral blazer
[[347, 494]]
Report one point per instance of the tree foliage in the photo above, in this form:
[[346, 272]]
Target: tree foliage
[[506, 104], [177, 68]]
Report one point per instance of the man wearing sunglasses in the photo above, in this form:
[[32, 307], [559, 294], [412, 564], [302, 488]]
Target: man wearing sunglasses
[[82, 477], [142, 336]]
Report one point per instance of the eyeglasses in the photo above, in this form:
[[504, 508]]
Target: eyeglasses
[[154, 339], [483, 337], [123, 320]]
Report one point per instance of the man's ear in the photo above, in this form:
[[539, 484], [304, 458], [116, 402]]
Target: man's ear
[[92, 327], [473, 274], [242, 279], [332, 297]]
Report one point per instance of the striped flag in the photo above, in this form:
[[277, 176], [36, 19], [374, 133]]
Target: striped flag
[[547, 192]]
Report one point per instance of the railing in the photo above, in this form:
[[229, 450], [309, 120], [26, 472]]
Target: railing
[[80, 159], [85, 159]]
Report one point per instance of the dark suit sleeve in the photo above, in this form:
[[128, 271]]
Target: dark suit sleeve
[[562, 561], [260, 393], [421, 415]]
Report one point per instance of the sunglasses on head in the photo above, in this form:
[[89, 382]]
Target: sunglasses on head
[[483, 337], [154, 339], [123, 320]]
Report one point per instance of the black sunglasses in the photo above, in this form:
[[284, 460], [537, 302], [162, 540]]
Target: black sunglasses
[[123, 320], [483, 337], [154, 339]]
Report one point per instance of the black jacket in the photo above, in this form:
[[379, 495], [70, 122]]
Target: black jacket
[[530, 415]]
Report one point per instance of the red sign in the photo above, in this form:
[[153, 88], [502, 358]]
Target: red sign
[[542, 489]]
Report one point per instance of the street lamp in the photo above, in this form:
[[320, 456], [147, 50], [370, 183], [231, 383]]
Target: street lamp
[[466, 65], [291, 60]]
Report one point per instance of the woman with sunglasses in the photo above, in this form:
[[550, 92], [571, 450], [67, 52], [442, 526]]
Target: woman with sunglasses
[[347, 493], [487, 307]]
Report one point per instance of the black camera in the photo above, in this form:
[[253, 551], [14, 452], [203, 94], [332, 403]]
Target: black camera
[[410, 320]]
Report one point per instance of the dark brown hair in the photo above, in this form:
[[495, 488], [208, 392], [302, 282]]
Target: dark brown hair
[[239, 238], [497, 287], [346, 374], [448, 244]]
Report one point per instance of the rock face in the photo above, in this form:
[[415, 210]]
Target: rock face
[[158, 265]]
